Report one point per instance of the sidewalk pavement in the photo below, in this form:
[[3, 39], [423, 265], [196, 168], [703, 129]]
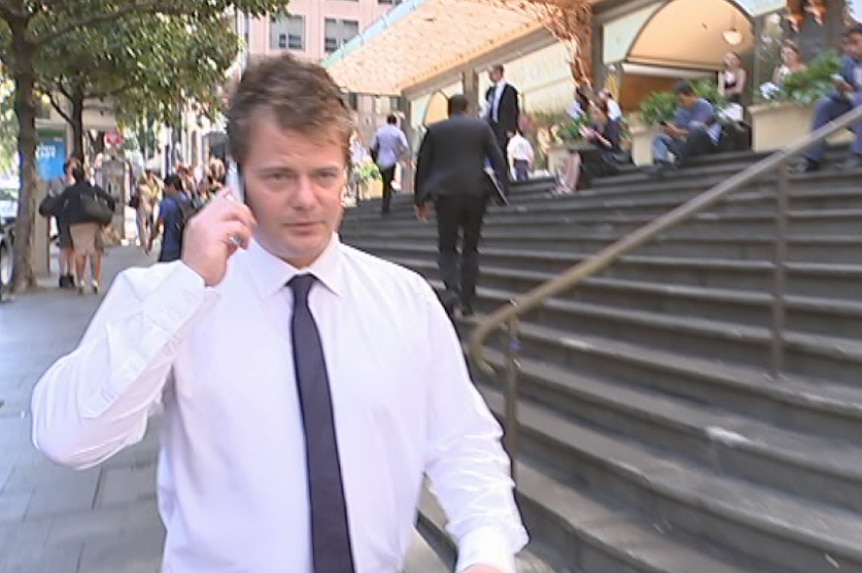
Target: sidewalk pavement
[[55, 520]]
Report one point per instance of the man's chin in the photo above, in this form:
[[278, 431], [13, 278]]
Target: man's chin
[[297, 249]]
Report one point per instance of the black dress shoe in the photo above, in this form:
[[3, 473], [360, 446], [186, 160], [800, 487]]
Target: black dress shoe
[[853, 162]]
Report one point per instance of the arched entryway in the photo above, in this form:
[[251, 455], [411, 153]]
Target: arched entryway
[[681, 39]]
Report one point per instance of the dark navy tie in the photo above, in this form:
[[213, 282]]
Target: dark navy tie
[[330, 539]]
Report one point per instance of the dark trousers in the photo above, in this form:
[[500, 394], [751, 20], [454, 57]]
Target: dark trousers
[[522, 170], [827, 110], [462, 214], [387, 175], [502, 137]]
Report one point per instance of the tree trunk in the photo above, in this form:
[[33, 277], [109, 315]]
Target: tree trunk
[[25, 109], [77, 116]]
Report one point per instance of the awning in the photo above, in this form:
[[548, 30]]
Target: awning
[[422, 38]]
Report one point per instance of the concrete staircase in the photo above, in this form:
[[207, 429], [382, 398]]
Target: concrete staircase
[[652, 438]]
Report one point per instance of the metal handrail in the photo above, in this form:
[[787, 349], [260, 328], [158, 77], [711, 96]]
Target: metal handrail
[[509, 314]]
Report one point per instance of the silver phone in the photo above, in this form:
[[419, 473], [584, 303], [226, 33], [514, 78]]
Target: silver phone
[[235, 182]]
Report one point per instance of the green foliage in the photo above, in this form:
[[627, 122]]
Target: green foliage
[[661, 107], [8, 128], [807, 86], [365, 172], [570, 130]]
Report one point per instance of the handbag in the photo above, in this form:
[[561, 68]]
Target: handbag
[[95, 209], [48, 205]]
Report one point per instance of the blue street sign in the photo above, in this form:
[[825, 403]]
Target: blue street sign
[[50, 155]]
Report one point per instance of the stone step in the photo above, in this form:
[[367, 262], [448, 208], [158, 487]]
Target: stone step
[[773, 531], [820, 469], [821, 316], [597, 536], [834, 249], [824, 409], [808, 279], [803, 196], [432, 522], [818, 357], [823, 222], [422, 558]]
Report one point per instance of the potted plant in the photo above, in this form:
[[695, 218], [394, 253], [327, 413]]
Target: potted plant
[[785, 113], [363, 176]]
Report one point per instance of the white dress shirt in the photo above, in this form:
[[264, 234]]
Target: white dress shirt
[[495, 101], [519, 148], [232, 475]]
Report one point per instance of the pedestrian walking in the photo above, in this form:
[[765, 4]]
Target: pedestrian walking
[[87, 208], [174, 212], [387, 148], [307, 387], [450, 172]]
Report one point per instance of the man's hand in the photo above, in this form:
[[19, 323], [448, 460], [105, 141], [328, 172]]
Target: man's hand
[[214, 234], [483, 569], [422, 212]]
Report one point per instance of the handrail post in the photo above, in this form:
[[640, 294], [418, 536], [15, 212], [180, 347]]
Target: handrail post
[[779, 286], [510, 423]]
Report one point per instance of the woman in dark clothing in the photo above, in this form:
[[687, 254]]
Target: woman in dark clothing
[[606, 136], [83, 228], [582, 166]]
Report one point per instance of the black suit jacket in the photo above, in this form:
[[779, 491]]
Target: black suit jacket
[[452, 159], [508, 110]]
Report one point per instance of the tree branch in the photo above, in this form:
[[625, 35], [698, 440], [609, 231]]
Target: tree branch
[[141, 7], [59, 109]]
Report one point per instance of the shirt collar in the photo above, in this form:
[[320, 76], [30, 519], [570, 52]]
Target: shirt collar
[[270, 274]]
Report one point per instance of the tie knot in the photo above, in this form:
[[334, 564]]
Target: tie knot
[[301, 286]]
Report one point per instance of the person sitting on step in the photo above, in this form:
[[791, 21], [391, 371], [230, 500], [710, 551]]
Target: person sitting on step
[[695, 131], [846, 96]]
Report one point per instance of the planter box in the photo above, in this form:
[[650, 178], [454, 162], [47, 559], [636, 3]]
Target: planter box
[[642, 136], [775, 126]]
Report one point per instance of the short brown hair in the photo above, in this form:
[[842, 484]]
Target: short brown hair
[[301, 96]]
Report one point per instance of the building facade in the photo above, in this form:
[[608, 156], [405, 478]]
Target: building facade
[[315, 29]]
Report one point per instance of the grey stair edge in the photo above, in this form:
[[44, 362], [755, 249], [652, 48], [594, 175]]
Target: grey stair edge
[[433, 518], [811, 524], [650, 552], [423, 558], [829, 347], [734, 431], [491, 234], [712, 294], [663, 261], [845, 401]]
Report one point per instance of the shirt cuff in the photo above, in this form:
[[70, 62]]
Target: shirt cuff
[[488, 546]]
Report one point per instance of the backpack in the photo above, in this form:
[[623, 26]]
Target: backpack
[[188, 209]]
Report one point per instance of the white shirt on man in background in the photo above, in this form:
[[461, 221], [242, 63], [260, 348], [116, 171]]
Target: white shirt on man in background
[[391, 144], [519, 148], [220, 361]]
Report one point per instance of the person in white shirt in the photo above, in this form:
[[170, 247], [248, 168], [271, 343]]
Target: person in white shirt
[[387, 147], [520, 155], [307, 387]]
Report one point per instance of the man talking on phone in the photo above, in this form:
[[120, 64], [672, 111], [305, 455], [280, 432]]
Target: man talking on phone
[[307, 387], [846, 96]]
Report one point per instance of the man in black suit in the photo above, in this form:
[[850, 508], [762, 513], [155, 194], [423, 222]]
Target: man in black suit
[[502, 108], [450, 171]]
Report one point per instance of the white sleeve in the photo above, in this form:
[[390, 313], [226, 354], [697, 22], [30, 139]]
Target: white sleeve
[[95, 401], [468, 468]]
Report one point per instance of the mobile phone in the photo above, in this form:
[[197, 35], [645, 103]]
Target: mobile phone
[[838, 78], [235, 181]]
